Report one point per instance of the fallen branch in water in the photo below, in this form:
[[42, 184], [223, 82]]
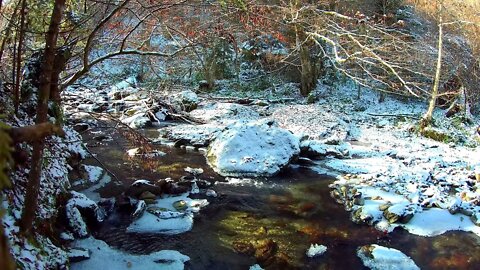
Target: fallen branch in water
[[101, 164]]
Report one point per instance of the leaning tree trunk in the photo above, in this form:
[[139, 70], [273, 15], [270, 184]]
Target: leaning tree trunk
[[31, 196], [427, 117]]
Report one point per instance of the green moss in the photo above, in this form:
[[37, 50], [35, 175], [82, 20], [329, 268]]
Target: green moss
[[436, 135]]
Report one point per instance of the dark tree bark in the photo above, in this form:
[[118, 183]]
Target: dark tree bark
[[18, 73], [31, 197]]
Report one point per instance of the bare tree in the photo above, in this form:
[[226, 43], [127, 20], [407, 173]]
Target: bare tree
[[427, 117]]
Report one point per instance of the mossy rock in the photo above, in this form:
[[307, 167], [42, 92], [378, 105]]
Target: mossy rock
[[436, 135]]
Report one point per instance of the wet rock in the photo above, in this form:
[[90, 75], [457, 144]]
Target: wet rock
[[318, 150], [252, 149], [242, 247], [180, 205], [398, 213], [140, 186], [147, 195], [174, 189], [81, 127], [211, 193], [265, 249]]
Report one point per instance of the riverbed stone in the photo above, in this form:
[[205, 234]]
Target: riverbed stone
[[252, 149]]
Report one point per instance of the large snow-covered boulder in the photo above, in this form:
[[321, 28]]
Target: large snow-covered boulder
[[252, 149]]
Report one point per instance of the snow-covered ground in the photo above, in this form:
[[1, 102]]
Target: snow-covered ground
[[387, 174]]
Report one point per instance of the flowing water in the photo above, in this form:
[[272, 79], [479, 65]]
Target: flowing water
[[293, 209]]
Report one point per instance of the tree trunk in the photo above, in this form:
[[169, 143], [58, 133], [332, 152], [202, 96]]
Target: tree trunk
[[427, 117], [6, 261], [31, 197], [307, 73], [18, 73]]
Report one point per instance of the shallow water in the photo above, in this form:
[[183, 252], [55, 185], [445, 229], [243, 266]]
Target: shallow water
[[293, 209]]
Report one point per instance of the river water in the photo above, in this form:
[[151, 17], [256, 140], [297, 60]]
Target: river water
[[293, 209]]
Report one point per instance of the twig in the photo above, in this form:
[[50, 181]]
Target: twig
[[101, 164], [396, 115]]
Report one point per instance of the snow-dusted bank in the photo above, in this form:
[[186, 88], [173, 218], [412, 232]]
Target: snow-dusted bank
[[103, 256]]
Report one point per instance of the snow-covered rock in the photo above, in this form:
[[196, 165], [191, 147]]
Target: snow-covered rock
[[80, 202], [103, 256], [163, 218], [196, 135], [138, 120], [187, 100], [377, 257], [316, 250], [251, 149]]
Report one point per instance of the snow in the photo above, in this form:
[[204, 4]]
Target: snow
[[100, 251], [437, 221], [377, 257], [150, 223], [252, 149], [224, 113], [316, 250], [255, 267]]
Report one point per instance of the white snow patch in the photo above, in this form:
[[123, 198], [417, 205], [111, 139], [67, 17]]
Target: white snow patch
[[93, 173], [437, 221]]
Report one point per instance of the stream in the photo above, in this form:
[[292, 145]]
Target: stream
[[294, 209]]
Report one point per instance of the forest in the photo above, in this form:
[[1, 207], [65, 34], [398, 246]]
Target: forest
[[239, 134]]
